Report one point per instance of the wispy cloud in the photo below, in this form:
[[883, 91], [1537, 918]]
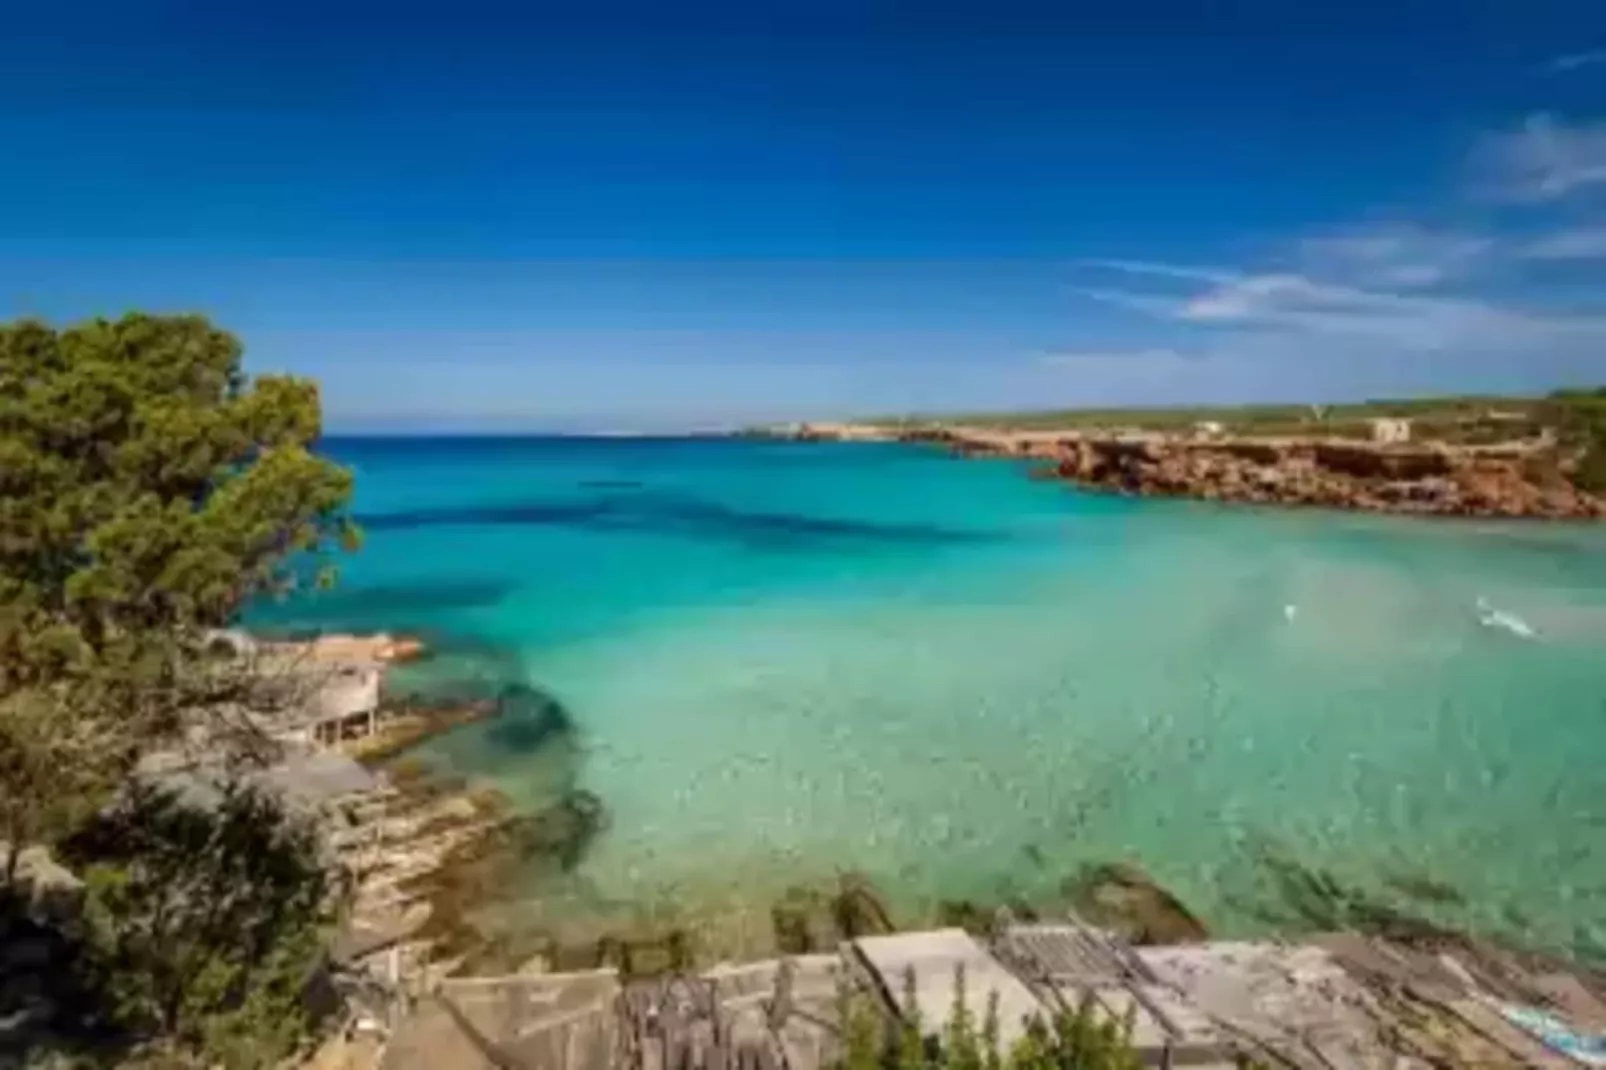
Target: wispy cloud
[[1581, 243], [1148, 304], [1400, 302], [1575, 60], [1395, 255], [1071, 358], [1546, 159], [1173, 271], [1297, 306]]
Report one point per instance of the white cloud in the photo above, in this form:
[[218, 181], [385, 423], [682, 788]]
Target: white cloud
[[1582, 243], [1247, 298], [1395, 255], [1545, 160], [1392, 305], [1297, 306], [1148, 304], [1575, 60]]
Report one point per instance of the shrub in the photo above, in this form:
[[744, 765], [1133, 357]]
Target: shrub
[[204, 925], [1580, 416], [1079, 1039]]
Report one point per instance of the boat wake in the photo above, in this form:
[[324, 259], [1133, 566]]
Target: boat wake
[[1490, 617]]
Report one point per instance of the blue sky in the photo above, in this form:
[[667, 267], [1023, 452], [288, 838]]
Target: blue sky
[[660, 216]]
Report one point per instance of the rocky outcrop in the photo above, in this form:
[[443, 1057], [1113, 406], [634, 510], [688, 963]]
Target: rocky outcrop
[[1425, 479], [816, 919], [42, 889], [1521, 479], [1124, 899], [343, 649]]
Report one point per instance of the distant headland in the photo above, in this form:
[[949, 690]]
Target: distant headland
[[1473, 457]]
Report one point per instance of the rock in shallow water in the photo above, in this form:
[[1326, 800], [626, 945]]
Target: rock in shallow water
[[563, 832], [1122, 897], [811, 919]]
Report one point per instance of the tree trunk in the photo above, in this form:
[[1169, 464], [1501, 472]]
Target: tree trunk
[[13, 857]]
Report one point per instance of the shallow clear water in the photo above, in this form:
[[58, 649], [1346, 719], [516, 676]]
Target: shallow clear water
[[788, 659]]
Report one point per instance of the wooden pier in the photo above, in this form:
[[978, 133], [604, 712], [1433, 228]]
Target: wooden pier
[[1345, 1002], [931, 961]]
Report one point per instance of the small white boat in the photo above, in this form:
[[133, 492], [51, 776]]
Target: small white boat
[[1490, 617]]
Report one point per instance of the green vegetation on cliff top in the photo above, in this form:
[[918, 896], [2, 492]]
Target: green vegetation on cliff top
[[1510, 413], [1577, 417]]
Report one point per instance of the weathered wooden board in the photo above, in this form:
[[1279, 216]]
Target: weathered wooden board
[[1060, 954], [1067, 962], [562, 1021], [1165, 1031], [934, 958]]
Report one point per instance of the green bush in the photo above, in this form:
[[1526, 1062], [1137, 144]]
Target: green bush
[[204, 926], [1580, 416], [1080, 1039], [150, 488]]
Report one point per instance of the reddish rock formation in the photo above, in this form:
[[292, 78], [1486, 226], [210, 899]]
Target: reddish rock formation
[[403, 649], [1525, 479], [1398, 479]]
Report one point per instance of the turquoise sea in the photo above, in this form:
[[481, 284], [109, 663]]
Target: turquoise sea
[[783, 660]]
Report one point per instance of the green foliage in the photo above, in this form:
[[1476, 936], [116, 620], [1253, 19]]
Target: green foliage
[[1449, 416], [1082, 1039], [961, 1044], [57, 769], [1581, 418], [992, 1056], [1076, 1040], [147, 489], [911, 1051], [203, 926], [861, 1029]]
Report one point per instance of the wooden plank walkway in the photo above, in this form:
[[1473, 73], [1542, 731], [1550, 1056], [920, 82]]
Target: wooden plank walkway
[[1357, 1003], [933, 958], [562, 1021], [775, 1015], [1292, 1002], [1069, 963]]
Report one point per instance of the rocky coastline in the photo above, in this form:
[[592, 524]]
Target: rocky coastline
[[440, 868], [1522, 479], [440, 874], [332, 724], [447, 882]]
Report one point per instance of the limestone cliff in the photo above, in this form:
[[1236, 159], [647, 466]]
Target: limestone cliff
[[1426, 479], [1529, 478]]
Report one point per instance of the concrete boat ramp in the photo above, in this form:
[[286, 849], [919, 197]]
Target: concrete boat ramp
[[1346, 1001]]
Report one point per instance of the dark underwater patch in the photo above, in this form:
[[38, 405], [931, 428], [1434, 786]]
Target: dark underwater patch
[[676, 514], [519, 515], [410, 608], [527, 720], [421, 598], [459, 669]]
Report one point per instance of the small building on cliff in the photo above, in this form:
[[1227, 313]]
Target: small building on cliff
[[1388, 430]]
